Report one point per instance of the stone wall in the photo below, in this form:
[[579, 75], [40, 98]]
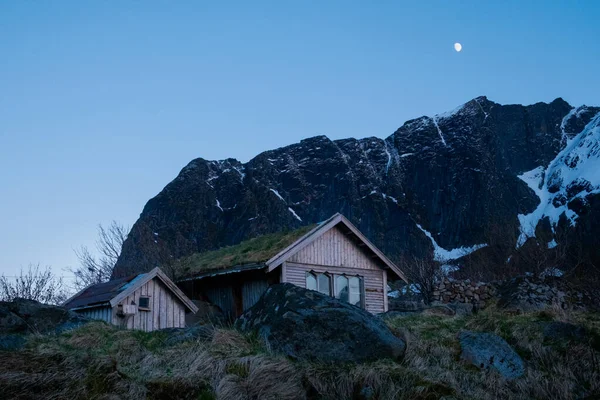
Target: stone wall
[[524, 293], [464, 291]]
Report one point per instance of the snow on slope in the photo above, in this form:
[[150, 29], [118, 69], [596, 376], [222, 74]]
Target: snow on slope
[[443, 255], [574, 173]]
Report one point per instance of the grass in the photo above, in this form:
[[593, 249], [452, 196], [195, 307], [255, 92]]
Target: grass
[[253, 251], [98, 361]]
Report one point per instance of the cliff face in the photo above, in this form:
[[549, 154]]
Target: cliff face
[[435, 185]]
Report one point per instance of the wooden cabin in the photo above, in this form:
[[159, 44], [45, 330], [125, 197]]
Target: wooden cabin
[[333, 257], [147, 302]]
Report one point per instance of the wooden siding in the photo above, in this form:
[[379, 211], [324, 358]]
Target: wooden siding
[[222, 296], [99, 313], [251, 292], [166, 310], [373, 281], [334, 248]]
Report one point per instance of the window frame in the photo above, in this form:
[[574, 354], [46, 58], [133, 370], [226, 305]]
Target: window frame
[[142, 308], [333, 287]]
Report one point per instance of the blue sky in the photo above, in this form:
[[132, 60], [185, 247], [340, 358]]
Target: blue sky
[[102, 103]]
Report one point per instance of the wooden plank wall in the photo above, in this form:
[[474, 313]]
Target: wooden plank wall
[[373, 281], [251, 292], [336, 249], [99, 313], [166, 310]]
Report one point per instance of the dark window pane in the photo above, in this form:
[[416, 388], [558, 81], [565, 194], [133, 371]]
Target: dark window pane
[[324, 284], [311, 281], [144, 302], [354, 292], [341, 288]]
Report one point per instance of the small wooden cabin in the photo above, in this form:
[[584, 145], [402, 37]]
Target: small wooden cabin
[[333, 257], [147, 302]]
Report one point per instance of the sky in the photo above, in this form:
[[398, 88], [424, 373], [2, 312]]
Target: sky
[[103, 102]]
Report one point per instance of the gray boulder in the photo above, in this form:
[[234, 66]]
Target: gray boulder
[[489, 351], [28, 316], [12, 341], [305, 324], [564, 333]]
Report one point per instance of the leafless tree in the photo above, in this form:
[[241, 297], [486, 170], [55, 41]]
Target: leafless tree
[[97, 269], [424, 273], [34, 284]]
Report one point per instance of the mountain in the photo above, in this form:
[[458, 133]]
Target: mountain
[[442, 186]]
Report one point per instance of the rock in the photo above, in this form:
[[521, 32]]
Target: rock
[[461, 309], [563, 331], [486, 351], [439, 309], [12, 341], [197, 332], [208, 313], [305, 324], [405, 305], [29, 316]]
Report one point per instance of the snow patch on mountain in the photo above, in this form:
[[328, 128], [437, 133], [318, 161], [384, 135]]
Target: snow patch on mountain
[[435, 122], [574, 173], [294, 214], [443, 255], [277, 194]]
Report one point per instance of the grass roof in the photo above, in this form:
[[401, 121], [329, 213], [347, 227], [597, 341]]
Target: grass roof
[[252, 251]]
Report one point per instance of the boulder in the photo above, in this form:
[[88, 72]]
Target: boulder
[[439, 309], [208, 313], [566, 333], [489, 351], [304, 324], [28, 316], [461, 309], [12, 341]]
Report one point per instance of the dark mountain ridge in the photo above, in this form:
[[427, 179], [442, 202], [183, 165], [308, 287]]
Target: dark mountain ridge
[[433, 187]]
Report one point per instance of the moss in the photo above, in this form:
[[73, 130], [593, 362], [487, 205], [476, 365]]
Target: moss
[[253, 251]]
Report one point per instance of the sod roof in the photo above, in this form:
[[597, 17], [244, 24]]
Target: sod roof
[[253, 251]]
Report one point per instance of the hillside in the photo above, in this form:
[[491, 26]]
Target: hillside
[[482, 178], [103, 362]]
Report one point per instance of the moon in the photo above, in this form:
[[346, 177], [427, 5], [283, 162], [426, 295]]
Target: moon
[[457, 47]]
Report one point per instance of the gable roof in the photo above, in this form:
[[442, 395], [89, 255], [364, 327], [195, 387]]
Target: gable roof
[[249, 254], [271, 251], [335, 220], [112, 292]]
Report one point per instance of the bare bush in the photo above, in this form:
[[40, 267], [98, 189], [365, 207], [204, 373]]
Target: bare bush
[[98, 269], [34, 284], [424, 273]]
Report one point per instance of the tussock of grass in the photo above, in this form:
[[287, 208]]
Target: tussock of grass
[[253, 251], [100, 361]]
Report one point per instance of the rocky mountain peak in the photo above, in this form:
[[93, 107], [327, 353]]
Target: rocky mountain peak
[[434, 186]]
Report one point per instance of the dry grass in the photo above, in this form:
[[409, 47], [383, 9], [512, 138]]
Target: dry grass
[[101, 362]]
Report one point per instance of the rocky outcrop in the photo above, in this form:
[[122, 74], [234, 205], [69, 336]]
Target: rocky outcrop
[[489, 351], [21, 317], [304, 324], [436, 184], [30, 316]]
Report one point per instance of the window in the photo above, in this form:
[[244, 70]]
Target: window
[[345, 288], [311, 281], [144, 303], [324, 284], [319, 282], [355, 292], [341, 287]]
